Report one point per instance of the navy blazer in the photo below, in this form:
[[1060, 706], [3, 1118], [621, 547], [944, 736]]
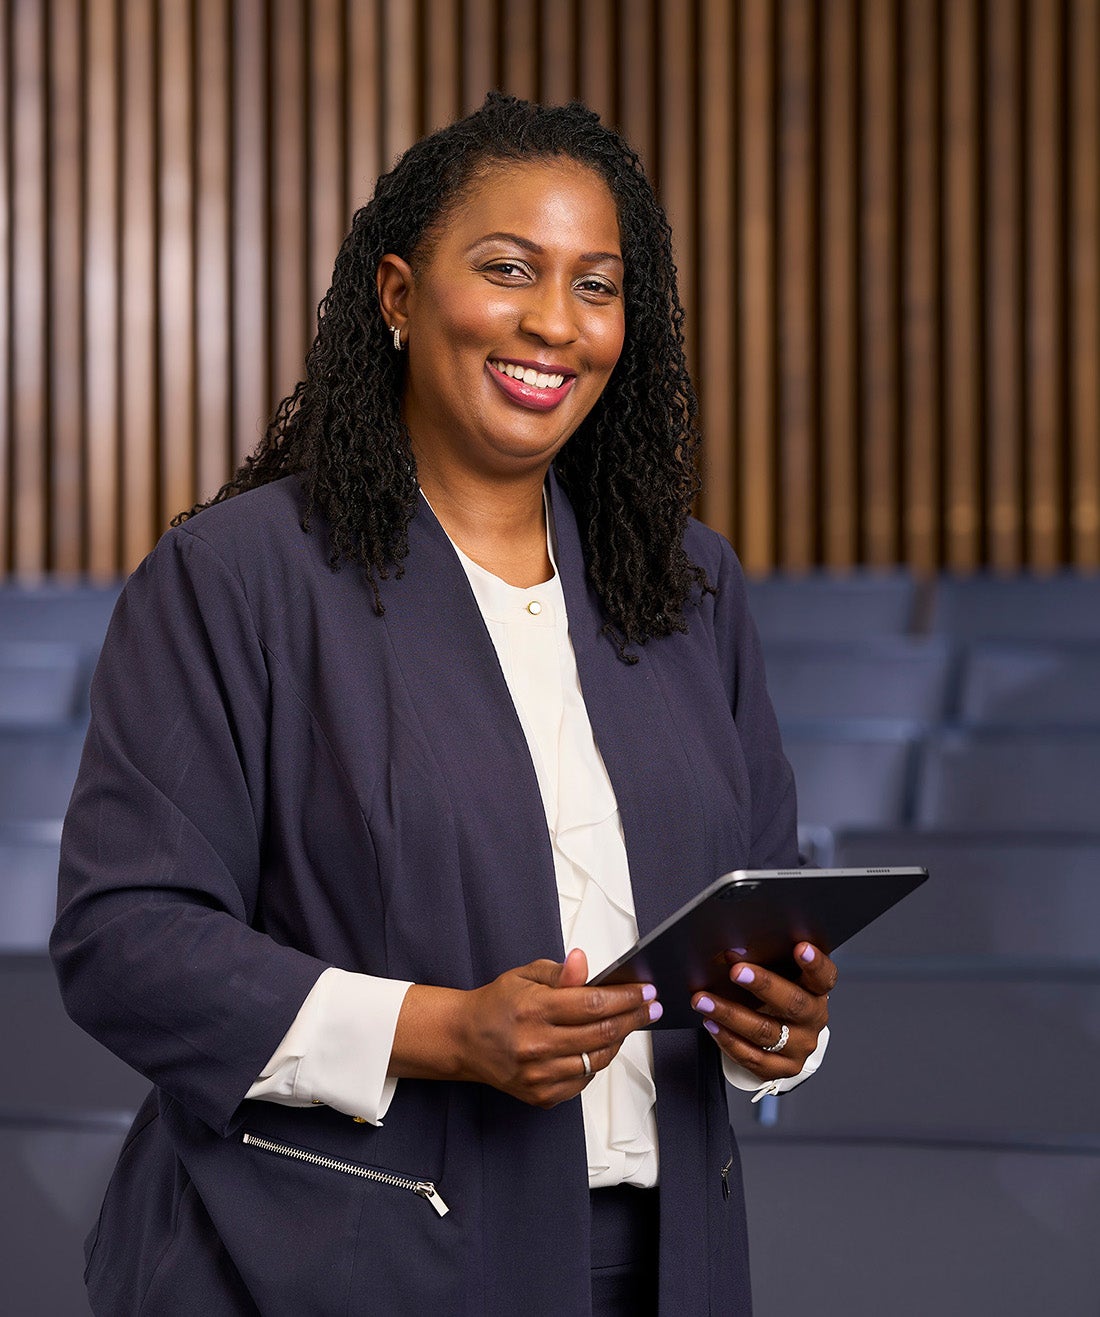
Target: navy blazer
[[277, 780]]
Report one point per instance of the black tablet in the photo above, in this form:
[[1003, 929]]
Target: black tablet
[[758, 915]]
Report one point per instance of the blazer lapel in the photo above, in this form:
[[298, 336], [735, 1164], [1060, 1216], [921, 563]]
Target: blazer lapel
[[647, 761], [453, 676]]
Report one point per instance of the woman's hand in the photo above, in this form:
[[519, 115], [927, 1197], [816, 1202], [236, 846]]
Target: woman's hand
[[746, 1033], [526, 1033]]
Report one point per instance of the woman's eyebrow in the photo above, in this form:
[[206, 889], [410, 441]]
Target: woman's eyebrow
[[536, 250]]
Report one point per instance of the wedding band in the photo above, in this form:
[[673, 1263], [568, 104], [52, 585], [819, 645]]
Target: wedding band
[[781, 1042], [586, 1062]]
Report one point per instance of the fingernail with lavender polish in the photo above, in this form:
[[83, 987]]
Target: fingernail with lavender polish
[[656, 1010], [807, 955], [705, 1005], [745, 975], [649, 992], [710, 1026]]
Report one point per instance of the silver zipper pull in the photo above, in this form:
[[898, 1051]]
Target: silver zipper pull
[[726, 1178], [427, 1190]]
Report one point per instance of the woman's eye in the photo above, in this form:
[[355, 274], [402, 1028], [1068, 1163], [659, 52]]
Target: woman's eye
[[598, 286], [509, 269]]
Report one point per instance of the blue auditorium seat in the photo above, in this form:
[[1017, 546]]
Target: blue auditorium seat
[[821, 606], [51, 1064], [75, 615], [936, 1049], [28, 884], [1030, 684], [53, 1173], [892, 677], [1065, 606], [41, 684], [37, 771], [878, 1227], [852, 776], [1033, 899], [65, 1104], [1015, 780]]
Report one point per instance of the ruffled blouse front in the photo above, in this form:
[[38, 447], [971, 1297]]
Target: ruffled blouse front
[[529, 629]]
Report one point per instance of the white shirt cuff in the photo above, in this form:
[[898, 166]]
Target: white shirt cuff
[[337, 1051], [745, 1080]]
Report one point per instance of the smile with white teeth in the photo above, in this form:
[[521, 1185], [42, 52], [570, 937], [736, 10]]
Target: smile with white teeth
[[528, 376]]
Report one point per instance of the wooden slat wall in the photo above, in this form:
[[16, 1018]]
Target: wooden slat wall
[[886, 218]]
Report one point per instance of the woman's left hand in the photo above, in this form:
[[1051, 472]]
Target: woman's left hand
[[745, 1033]]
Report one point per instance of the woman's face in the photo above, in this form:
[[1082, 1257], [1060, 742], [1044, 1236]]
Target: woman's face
[[513, 320]]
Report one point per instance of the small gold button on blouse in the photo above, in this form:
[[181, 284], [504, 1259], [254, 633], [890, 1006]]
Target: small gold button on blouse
[[534, 608]]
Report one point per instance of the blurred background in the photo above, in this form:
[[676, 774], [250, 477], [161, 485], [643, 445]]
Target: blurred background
[[886, 217]]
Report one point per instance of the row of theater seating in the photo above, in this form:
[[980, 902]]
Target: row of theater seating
[[947, 1155], [949, 1150], [898, 679], [952, 1141]]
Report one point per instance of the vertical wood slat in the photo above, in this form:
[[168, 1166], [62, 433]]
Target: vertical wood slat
[[596, 67], [6, 191], [1004, 230], [756, 328], [29, 264], [839, 259], [399, 60], [212, 263], [962, 294], [442, 64], [879, 309], [717, 291], [636, 61], [480, 71], [1084, 282], [288, 196], [519, 33], [1043, 361], [176, 259], [250, 237], [139, 407], [797, 269], [557, 65], [66, 360], [328, 212], [920, 322], [101, 328], [364, 129], [676, 132]]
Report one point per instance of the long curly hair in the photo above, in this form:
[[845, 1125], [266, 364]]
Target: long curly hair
[[630, 468]]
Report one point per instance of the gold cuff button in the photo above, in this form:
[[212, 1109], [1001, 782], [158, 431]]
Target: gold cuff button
[[534, 608]]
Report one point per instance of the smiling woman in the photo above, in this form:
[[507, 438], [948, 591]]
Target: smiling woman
[[513, 322], [416, 723]]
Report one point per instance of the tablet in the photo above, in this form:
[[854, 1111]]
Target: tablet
[[759, 915]]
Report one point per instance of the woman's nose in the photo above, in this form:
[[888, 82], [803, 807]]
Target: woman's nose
[[550, 315]]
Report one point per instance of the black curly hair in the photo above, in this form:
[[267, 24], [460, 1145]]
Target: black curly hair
[[630, 468]]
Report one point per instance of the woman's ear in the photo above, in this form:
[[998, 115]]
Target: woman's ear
[[394, 280]]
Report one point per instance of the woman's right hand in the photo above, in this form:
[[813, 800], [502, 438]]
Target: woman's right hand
[[526, 1033]]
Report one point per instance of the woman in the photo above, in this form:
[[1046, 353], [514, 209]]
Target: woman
[[451, 684]]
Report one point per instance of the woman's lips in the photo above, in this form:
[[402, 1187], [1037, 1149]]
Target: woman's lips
[[530, 395]]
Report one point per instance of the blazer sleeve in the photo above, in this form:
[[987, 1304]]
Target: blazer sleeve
[[774, 839], [161, 852]]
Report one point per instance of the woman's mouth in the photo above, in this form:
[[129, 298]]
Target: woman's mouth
[[529, 387]]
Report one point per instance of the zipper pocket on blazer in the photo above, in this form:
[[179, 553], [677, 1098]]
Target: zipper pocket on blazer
[[422, 1188]]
